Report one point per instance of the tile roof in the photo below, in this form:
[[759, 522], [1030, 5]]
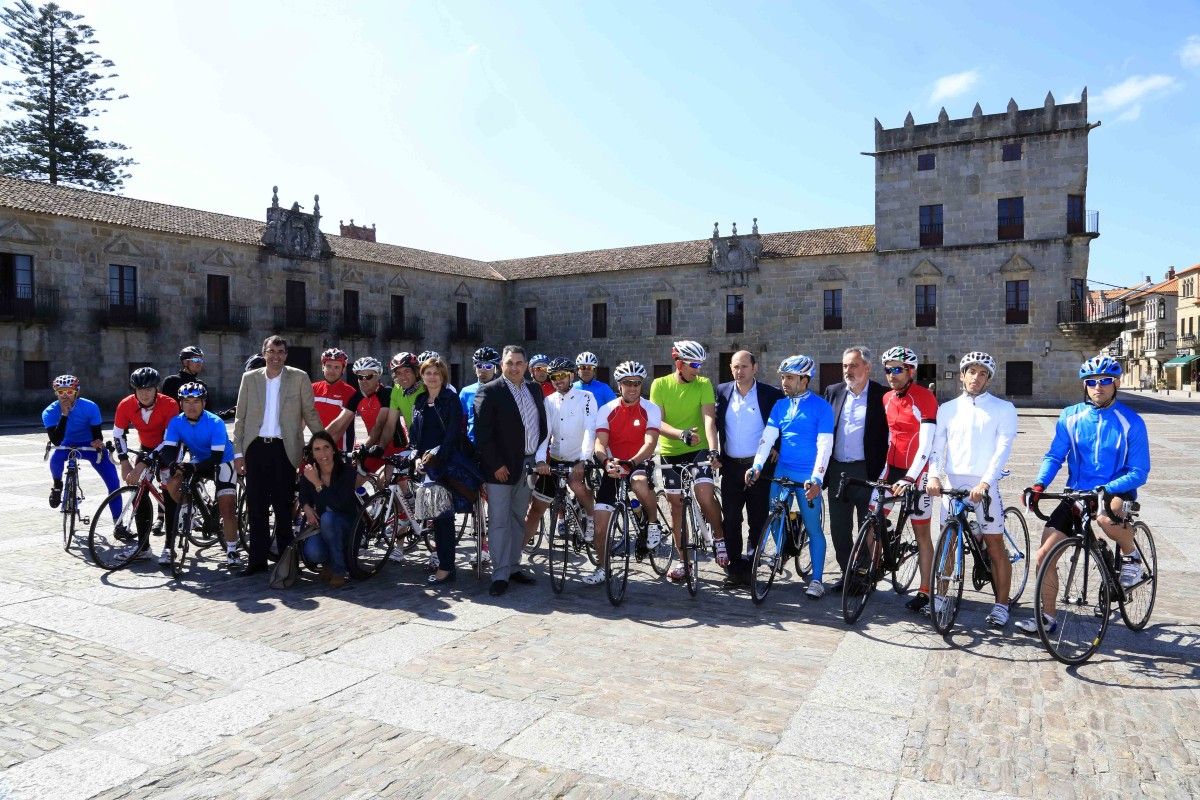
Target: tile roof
[[1166, 287]]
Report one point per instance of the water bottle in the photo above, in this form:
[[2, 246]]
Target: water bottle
[[361, 492]]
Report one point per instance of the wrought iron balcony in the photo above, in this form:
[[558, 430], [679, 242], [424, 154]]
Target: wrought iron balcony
[[28, 306], [1008, 228], [1086, 224], [1186, 342], [926, 319], [931, 234], [472, 332], [361, 326], [832, 322], [120, 311], [299, 318], [409, 328], [223, 319], [1092, 324]]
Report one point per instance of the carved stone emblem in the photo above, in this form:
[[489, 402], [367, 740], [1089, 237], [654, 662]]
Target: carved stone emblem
[[292, 233], [734, 257]]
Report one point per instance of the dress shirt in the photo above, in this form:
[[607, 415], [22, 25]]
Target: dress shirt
[[743, 423], [270, 425], [852, 426], [529, 415]]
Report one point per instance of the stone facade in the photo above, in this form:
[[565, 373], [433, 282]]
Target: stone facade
[[1187, 326]]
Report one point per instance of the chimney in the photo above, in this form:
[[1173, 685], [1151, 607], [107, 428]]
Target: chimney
[[360, 232], [1148, 279], [1170, 273]]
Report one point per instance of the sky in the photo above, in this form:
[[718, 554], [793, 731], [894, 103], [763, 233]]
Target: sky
[[500, 130]]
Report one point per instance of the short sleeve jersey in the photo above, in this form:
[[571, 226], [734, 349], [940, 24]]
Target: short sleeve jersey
[[905, 414], [547, 388], [599, 389], [406, 402], [83, 417], [467, 398], [800, 420], [368, 407], [150, 431], [680, 403], [201, 438], [626, 425]]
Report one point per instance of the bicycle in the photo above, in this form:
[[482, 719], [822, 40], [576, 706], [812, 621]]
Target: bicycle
[[568, 535], [384, 521], [770, 554], [194, 508], [695, 534], [117, 547], [72, 492], [1088, 574], [879, 547]]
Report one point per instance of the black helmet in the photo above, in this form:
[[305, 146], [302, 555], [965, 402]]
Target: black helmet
[[255, 361], [485, 355], [560, 365], [144, 378], [191, 351]]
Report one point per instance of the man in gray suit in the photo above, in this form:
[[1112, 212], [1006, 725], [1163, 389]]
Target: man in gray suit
[[274, 404]]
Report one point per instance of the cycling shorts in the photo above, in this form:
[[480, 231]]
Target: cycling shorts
[[545, 486], [223, 475], [606, 494], [924, 504], [672, 471], [1066, 516]]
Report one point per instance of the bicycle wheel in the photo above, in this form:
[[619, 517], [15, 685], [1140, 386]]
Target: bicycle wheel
[[662, 556], [906, 556], [862, 571], [948, 577], [114, 544], [70, 502], [559, 546], [692, 545], [372, 538], [544, 529], [1016, 544], [1139, 599], [1082, 601], [768, 556], [616, 556], [802, 560], [477, 536], [179, 547]]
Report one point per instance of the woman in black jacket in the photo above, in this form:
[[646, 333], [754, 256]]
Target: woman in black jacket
[[436, 434], [327, 499]]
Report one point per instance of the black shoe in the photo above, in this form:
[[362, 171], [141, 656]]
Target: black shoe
[[521, 578], [498, 588], [434, 580], [55, 497], [838, 585], [157, 530], [919, 601], [251, 569]]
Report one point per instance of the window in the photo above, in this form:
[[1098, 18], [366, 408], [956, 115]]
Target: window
[[833, 309], [460, 319], [662, 317], [135, 365], [1162, 309], [398, 311], [1010, 218], [735, 314], [604, 375], [926, 162], [300, 358], [296, 312], [926, 306], [1016, 302], [217, 307], [350, 319], [1011, 152], [1018, 378], [931, 225], [662, 369], [1162, 341], [829, 373], [724, 371], [1078, 290], [599, 320], [1075, 213], [16, 283], [36, 375], [456, 375], [122, 286], [531, 324], [927, 376]]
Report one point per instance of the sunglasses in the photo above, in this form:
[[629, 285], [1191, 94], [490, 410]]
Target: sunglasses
[[194, 360], [695, 364], [558, 376], [631, 383], [485, 365], [64, 392], [1092, 383], [370, 376], [893, 370]]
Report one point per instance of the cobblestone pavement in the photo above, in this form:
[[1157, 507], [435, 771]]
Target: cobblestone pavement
[[134, 685]]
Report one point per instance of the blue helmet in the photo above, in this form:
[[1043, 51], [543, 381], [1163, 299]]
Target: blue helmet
[[539, 360], [797, 365], [1100, 365]]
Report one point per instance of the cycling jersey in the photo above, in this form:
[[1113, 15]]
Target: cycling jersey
[[467, 397], [368, 407], [330, 399], [974, 437], [83, 423], [1101, 447], [547, 388], [571, 423], [911, 413], [150, 423], [804, 427], [405, 400], [206, 439], [626, 425], [680, 403], [603, 393]]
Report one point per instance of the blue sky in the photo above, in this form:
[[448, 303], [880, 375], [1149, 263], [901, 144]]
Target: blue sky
[[498, 130]]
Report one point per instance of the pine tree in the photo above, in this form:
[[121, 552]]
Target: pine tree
[[58, 94]]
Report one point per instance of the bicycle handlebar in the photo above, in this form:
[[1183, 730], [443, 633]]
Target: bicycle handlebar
[[1032, 502], [788, 483], [962, 494]]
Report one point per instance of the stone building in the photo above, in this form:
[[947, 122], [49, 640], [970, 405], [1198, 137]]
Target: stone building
[[1150, 323], [981, 241], [1182, 371]]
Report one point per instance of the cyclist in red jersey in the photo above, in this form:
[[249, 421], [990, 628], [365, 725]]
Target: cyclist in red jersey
[[912, 421], [335, 399], [539, 373], [368, 402], [148, 411]]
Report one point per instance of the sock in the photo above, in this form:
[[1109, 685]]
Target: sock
[[924, 590], [231, 547]]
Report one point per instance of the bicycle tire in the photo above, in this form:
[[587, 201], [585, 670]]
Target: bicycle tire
[[662, 556], [861, 571], [692, 545], [544, 528], [950, 551], [108, 551], [70, 502], [907, 556], [179, 547], [802, 561], [616, 567], [477, 535], [559, 548], [1080, 623], [372, 538], [1016, 544], [768, 555], [210, 531], [1138, 601]]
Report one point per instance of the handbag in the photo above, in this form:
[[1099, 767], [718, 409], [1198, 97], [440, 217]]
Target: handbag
[[286, 571], [459, 474]]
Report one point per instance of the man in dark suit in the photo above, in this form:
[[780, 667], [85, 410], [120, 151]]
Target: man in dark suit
[[510, 424], [743, 406], [860, 443]]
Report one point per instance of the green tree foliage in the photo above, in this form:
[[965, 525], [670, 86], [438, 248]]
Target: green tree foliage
[[59, 92]]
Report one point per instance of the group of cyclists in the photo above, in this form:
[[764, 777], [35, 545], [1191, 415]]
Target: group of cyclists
[[619, 431]]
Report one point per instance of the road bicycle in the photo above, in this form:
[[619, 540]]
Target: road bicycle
[[115, 544], [567, 534], [879, 548], [783, 531], [695, 534], [71, 506]]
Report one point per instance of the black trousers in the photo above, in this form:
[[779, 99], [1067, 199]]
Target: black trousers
[[739, 503], [841, 513], [270, 486]]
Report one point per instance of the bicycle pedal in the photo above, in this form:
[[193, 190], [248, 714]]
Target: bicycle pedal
[[84, 520]]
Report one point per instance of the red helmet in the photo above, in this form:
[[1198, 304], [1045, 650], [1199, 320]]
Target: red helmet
[[404, 359], [334, 354]]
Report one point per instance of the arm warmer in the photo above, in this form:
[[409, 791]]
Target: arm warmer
[[824, 451], [769, 435], [57, 433], [925, 436]]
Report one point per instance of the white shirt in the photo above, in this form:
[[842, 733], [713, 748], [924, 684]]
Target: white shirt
[[571, 418], [743, 423], [270, 425], [974, 438], [852, 426]]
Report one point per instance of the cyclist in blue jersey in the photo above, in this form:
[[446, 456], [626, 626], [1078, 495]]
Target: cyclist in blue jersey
[[1104, 444], [72, 421], [802, 422], [586, 362], [487, 362], [203, 435]]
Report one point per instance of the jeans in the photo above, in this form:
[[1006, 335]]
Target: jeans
[[445, 540], [329, 546]]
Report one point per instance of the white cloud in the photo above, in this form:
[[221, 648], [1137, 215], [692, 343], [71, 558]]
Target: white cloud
[[1189, 54], [950, 86], [1129, 94], [1130, 114], [473, 49]]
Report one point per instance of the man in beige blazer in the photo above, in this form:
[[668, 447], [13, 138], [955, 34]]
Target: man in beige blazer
[[273, 406]]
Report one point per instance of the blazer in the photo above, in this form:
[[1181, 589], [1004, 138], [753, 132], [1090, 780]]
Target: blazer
[[499, 431], [767, 396], [875, 435], [296, 409]]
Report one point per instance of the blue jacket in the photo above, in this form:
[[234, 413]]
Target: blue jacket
[[1101, 447]]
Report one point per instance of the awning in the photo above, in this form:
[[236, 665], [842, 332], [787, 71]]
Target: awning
[[1179, 361]]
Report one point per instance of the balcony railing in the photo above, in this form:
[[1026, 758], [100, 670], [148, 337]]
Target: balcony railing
[[1070, 311], [361, 326], [293, 318], [926, 319], [931, 234], [119, 312], [472, 332], [1008, 228], [833, 323], [1186, 341], [409, 328], [28, 305], [229, 319], [1084, 224], [1016, 316]]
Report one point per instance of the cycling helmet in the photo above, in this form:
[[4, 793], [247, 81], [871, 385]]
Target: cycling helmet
[[255, 361], [191, 351], [65, 382], [428, 354], [193, 389], [367, 364], [539, 360], [902, 354], [981, 358], [687, 350], [629, 369], [1100, 365], [561, 365], [404, 360], [144, 378], [486, 355], [797, 365], [587, 359], [334, 354]]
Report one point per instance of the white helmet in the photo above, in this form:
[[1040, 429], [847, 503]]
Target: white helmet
[[687, 350], [797, 365], [367, 364], [981, 358], [587, 359], [902, 354], [629, 369]]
